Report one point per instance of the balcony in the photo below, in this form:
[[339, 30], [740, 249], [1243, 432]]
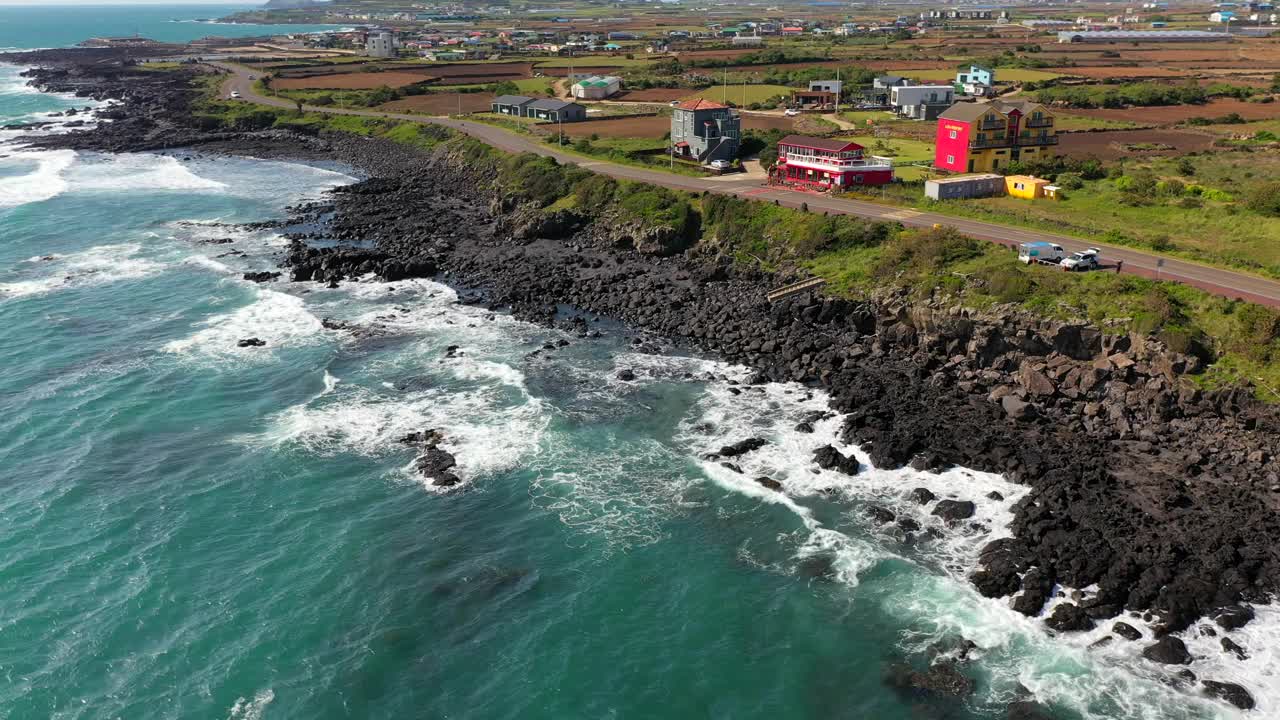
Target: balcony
[[1041, 122], [1037, 140], [996, 125], [990, 143], [836, 165]]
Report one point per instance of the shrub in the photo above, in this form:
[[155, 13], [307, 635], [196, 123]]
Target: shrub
[[1010, 285], [1186, 168], [1265, 199], [926, 252], [1171, 188], [1070, 181]]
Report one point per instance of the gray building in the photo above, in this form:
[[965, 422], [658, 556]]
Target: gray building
[[921, 102], [963, 187], [381, 43], [555, 110], [705, 131], [510, 105]]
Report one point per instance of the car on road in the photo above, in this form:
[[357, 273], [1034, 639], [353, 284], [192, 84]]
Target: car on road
[[720, 164], [791, 112], [1087, 260], [235, 95]]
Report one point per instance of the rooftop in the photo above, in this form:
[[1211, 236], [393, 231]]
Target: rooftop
[[701, 104], [817, 143]]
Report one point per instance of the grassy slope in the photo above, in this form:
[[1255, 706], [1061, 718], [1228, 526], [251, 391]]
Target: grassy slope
[[1217, 232], [855, 255]]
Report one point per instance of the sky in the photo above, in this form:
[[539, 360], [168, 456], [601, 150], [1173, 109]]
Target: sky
[[170, 3]]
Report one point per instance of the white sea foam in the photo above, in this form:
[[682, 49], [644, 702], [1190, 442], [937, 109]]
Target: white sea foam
[[46, 181], [96, 266], [935, 598], [244, 709], [134, 172], [482, 428], [279, 319]]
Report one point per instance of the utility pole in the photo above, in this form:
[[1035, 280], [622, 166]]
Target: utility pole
[[839, 87], [724, 88]]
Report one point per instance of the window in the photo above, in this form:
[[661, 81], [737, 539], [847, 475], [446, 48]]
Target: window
[[951, 159], [953, 134]]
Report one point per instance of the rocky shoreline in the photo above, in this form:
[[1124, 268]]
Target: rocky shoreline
[[1160, 498]]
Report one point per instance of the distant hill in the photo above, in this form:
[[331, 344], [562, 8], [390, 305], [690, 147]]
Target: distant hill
[[291, 4]]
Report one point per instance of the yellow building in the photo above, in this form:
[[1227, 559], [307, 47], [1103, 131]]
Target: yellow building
[[987, 136], [1025, 187]]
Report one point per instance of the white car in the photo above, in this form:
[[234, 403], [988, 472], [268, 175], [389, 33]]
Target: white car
[[721, 164], [790, 112], [1087, 260], [235, 95]]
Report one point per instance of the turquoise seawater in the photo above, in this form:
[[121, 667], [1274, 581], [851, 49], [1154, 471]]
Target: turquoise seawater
[[190, 529], [40, 26]]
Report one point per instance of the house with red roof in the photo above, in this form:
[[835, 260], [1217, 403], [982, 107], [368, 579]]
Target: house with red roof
[[827, 163], [703, 130]]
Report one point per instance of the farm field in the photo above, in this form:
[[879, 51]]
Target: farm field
[[1171, 114], [351, 81], [1003, 75], [1111, 144], [742, 94], [440, 103], [652, 95], [649, 126], [1066, 122], [586, 62], [1110, 72]]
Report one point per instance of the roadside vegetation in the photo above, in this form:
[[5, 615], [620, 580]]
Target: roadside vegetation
[[1220, 208]]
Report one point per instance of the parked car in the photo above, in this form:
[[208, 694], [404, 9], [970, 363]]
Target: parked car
[[1087, 260], [721, 164], [235, 95], [675, 103], [791, 112]]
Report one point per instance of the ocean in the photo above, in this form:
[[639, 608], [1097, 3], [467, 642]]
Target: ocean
[[193, 529]]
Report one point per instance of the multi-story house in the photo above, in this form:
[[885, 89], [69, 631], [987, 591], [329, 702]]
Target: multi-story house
[[828, 163], [921, 102], [705, 131], [987, 136]]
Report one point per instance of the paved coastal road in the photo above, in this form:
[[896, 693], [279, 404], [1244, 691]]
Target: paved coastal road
[[1220, 281]]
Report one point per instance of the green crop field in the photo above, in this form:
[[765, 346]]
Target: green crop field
[[740, 94]]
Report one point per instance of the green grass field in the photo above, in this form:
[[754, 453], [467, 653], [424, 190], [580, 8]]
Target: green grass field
[[740, 94], [1214, 231], [901, 150], [1067, 123]]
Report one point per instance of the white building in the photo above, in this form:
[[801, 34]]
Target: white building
[[831, 86], [596, 87], [381, 43]]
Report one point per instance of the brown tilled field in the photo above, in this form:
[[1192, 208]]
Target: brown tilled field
[[1171, 114], [441, 103], [1112, 143], [1114, 72], [648, 126], [351, 81], [455, 70], [653, 95]]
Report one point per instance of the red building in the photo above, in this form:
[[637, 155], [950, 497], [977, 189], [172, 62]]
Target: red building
[[827, 163]]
